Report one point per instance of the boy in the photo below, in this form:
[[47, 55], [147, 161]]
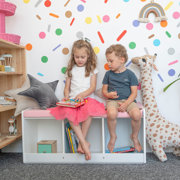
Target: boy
[[120, 87]]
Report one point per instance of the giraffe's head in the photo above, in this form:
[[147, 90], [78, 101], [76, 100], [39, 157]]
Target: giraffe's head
[[144, 62]]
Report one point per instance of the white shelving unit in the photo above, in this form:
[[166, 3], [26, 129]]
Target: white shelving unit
[[36, 128]]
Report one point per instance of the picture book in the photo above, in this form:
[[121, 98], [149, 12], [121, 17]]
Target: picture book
[[71, 103], [122, 150]]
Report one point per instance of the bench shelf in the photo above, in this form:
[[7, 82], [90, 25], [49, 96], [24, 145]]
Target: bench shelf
[[44, 127]]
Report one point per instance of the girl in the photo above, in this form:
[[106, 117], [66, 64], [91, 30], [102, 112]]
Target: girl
[[81, 83]]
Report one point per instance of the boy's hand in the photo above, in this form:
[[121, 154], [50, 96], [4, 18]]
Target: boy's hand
[[113, 95], [122, 106]]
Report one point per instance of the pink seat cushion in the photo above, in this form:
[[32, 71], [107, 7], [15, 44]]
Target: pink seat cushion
[[46, 113]]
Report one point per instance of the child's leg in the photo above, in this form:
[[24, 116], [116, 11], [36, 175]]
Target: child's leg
[[85, 127], [84, 144], [111, 121], [135, 115]]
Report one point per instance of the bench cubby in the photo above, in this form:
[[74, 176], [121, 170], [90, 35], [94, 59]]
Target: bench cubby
[[40, 125]]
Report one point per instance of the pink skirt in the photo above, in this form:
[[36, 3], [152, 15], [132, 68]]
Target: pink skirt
[[80, 114]]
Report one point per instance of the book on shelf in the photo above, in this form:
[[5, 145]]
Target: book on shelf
[[71, 103], [122, 149], [72, 138]]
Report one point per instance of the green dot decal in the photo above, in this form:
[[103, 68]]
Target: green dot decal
[[63, 70], [44, 59], [132, 45], [58, 31]]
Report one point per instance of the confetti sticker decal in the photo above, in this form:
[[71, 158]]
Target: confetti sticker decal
[[168, 34], [26, 1], [47, 3], [132, 45], [88, 20], [171, 51], [100, 36], [80, 8], [169, 5], [174, 62], [121, 35], [42, 35], [38, 2], [58, 32], [136, 23], [151, 36], [72, 21], [65, 51], [54, 15], [68, 14], [171, 72], [57, 47], [176, 15], [40, 74], [44, 59], [160, 78], [149, 26], [106, 18], [63, 70], [156, 42], [28, 46], [163, 23], [96, 50]]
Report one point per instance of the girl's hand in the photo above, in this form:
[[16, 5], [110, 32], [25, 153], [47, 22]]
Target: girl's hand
[[65, 98], [79, 97], [123, 107], [113, 95]]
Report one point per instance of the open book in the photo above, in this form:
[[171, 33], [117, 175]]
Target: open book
[[71, 103]]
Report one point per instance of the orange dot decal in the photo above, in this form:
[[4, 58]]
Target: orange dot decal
[[106, 67], [47, 3], [163, 23], [28, 46]]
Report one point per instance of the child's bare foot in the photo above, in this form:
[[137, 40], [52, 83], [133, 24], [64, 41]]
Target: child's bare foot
[[80, 150], [136, 143], [111, 143], [85, 148]]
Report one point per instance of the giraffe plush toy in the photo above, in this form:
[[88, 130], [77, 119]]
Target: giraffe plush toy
[[160, 133]]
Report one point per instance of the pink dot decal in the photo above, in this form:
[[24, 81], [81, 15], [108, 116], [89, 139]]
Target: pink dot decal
[[42, 35], [149, 26], [106, 18], [176, 15]]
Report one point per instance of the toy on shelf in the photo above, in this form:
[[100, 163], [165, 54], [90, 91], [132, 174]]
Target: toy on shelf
[[12, 126], [71, 103], [7, 9], [122, 150], [154, 8], [47, 146], [8, 63], [2, 63]]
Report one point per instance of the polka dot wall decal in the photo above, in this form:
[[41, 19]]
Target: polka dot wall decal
[[44, 59], [28, 46], [163, 23], [80, 8], [171, 72], [143, 0], [68, 14], [96, 50], [126, 0], [171, 51], [149, 26], [26, 1], [132, 45], [179, 35], [88, 20], [65, 51], [47, 3], [136, 23], [79, 35], [156, 42], [176, 15], [106, 67], [58, 31], [40, 74], [63, 70], [42, 35], [106, 18]]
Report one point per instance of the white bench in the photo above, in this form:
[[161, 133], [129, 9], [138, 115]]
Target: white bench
[[40, 125]]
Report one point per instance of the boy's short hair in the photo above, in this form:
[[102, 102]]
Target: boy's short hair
[[119, 51]]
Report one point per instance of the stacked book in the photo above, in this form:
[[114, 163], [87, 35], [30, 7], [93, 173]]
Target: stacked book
[[72, 138], [122, 149]]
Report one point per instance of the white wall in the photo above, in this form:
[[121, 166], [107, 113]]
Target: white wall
[[26, 24]]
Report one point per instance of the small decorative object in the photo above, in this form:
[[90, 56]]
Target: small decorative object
[[160, 133], [71, 103], [12, 126], [8, 62], [2, 63], [7, 9], [47, 146], [154, 8]]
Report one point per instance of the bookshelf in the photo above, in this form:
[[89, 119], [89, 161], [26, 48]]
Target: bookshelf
[[11, 80], [44, 127]]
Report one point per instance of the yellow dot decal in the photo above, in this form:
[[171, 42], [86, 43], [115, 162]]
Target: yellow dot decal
[[96, 50], [88, 20]]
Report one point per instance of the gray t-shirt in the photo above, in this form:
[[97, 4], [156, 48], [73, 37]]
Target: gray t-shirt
[[120, 82]]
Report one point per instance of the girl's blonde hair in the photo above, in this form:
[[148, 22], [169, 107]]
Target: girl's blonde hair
[[91, 61]]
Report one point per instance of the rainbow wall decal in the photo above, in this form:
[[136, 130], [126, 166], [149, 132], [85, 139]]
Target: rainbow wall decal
[[154, 8]]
